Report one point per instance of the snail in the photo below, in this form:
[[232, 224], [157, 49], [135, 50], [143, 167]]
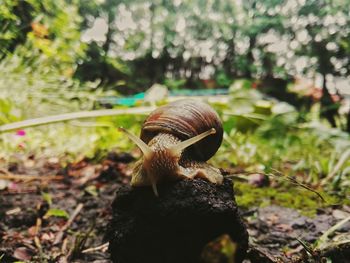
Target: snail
[[176, 141]]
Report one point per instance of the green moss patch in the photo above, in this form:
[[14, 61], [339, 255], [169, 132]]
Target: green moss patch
[[305, 201]]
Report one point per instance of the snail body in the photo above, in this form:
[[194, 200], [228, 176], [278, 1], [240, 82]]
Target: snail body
[[176, 140]]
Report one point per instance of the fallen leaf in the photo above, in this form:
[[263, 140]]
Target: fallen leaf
[[56, 212], [91, 189], [32, 231], [22, 253], [13, 211], [48, 236], [88, 173]]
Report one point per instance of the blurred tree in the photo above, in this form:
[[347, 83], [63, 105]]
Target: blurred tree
[[326, 25], [99, 18], [129, 45], [15, 20], [45, 32], [176, 39]]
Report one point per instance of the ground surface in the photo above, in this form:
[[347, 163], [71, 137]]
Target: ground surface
[[54, 214]]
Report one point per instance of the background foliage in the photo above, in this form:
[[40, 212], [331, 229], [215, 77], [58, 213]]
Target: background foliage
[[61, 56]]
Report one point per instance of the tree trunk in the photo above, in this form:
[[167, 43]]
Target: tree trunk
[[329, 109], [252, 41], [105, 47], [348, 122], [230, 57]]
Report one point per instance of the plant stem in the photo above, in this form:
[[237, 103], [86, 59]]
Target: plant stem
[[71, 116]]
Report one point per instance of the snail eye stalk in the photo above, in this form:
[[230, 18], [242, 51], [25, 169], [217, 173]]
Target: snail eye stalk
[[146, 150], [182, 145]]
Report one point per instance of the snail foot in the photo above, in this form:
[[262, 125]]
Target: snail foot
[[204, 171]]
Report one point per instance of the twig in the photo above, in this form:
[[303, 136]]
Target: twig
[[67, 225], [279, 176], [38, 244], [102, 247], [6, 175], [22, 191], [295, 182], [64, 246], [24, 177], [306, 247], [38, 226], [323, 239]]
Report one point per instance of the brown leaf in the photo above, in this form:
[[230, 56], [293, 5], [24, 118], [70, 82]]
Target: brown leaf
[[272, 219], [32, 231], [22, 253], [88, 173], [48, 236]]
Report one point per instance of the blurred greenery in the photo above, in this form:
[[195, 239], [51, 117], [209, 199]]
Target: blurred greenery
[[62, 56]]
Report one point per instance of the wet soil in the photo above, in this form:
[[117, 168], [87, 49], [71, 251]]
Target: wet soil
[[34, 213]]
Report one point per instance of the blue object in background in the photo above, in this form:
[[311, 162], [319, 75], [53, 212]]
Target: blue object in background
[[126, 101], [139, 97]]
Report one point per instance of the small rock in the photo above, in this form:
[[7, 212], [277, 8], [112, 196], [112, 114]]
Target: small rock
[[339, 214], [258, 180], [299, 222], [3, 184]]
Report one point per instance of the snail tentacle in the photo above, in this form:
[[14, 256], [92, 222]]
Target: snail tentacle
[[184, 144], [146, 150]]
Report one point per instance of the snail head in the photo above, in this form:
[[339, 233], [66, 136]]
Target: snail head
[[158, 162]]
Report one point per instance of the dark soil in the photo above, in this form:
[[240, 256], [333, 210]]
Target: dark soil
[[177, 225], [28, 233], [55, 213], [281, 233]]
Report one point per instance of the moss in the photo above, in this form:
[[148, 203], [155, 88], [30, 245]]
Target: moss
[[305, 201]]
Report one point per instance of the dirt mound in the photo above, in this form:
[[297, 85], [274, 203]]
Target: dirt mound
[[176, 226]]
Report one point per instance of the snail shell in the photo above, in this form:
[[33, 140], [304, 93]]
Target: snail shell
[[186, 119]]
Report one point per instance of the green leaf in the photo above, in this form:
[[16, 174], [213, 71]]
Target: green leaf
[[56, 212], [47, 197], [91, 189]]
